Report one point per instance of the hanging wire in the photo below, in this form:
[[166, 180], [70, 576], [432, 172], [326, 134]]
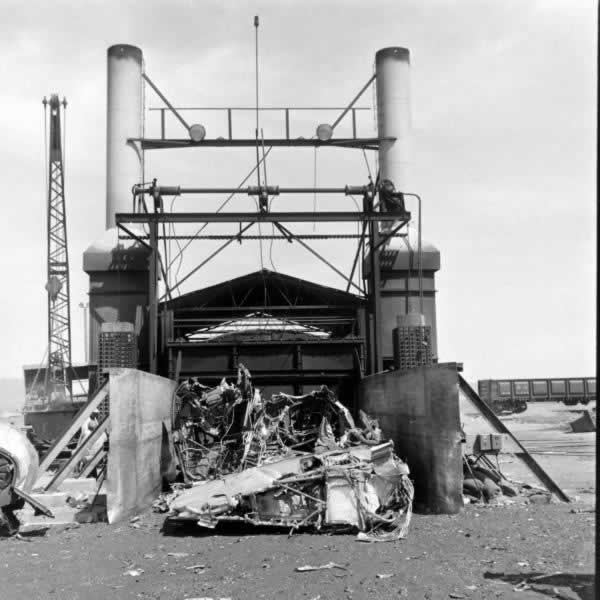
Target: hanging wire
[[269, 200], [358, 231], [179, 250], [223, 204], [367, 163]]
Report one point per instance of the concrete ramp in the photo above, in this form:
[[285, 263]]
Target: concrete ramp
[[478, 421]]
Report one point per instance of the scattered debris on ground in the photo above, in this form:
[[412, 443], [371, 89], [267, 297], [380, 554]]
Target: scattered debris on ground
[[483, 482], [586, 422], [288, 461], [329, 565]]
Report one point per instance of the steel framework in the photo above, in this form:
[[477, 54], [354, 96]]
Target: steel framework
[[58, 285], [371, 238]]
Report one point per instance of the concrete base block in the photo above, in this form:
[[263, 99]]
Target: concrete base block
[[87, 485], [51, 500], [64, 514], [71, 485]]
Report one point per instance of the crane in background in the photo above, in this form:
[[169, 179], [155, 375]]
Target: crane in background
[[57, 380]]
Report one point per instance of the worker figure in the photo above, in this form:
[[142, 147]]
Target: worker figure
[[91, 424], [391, 199], [88, 427]]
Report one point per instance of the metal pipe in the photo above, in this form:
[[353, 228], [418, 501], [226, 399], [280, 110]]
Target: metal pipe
[[164, 99], [419, 252], [345, 111], [273, 190], [85, 306], [153, 299]]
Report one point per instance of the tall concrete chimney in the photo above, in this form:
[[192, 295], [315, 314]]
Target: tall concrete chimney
[[124, 118], [392, 68], [399, 261], [119, 268]]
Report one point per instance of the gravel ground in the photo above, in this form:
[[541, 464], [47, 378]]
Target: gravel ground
[[482, 553]]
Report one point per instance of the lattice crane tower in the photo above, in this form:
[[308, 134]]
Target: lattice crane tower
[[58, 287]]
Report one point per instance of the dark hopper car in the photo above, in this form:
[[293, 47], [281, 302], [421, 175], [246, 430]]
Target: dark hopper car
[[514, 394]]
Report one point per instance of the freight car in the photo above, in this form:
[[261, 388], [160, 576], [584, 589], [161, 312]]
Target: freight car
[[514, 394]]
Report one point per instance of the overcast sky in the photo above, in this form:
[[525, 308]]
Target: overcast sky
[[504, 116]]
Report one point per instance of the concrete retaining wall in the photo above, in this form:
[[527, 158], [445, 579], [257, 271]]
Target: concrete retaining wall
[[419, 411], [140, 452]]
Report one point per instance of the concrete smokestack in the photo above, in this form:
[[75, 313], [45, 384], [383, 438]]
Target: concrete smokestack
[[400, 286], [123, 120], [119, 269], [392, 67]]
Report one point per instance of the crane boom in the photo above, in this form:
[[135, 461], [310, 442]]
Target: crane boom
[[58, 285]]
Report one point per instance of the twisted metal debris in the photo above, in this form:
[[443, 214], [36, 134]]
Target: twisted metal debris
[[288, 461]]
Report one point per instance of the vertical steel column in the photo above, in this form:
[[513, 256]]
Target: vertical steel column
[[375, 291], [153, 296], [287, 123]]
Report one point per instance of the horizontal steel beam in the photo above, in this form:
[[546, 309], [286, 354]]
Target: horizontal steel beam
[[241, 342], [288, 376], [266, 217], [158, 143], [292, 308], [326, 320], [308, 236], [260, 108]]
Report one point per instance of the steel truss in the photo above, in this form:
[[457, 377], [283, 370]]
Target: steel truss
[[371, 238], [58, 285]]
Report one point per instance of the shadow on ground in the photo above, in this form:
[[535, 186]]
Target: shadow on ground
[[191, 529], [580, 583]]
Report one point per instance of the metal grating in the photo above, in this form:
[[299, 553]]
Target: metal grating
[[117, 348], [412, 347]]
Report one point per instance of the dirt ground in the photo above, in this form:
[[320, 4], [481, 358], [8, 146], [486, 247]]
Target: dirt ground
[[523, 552], [516, 551]]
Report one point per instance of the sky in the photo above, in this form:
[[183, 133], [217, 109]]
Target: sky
[[504, 119]]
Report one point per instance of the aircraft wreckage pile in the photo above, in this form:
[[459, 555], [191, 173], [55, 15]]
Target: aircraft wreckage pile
[[288, 461]]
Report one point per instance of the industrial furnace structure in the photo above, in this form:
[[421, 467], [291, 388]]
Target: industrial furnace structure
[[291, 333]]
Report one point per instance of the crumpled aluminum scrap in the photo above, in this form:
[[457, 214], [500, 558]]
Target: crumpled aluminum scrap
[[290, 461]]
